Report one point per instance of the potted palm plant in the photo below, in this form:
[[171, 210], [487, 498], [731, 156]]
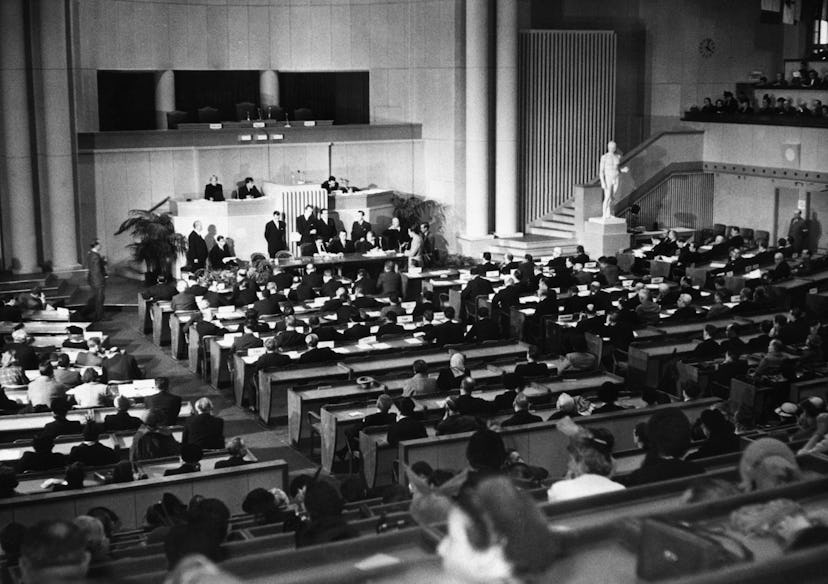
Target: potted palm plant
[[155, 242]]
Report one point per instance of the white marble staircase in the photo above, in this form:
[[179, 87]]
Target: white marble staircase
[[556, 229]]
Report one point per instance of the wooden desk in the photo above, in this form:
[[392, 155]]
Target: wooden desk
[[42, 328], [304, 399], [273, 385], [144, 322], [60, 315], [413, 283], [130, 500], [160, 313], [179, 322]]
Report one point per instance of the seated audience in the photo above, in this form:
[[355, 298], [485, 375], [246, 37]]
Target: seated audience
[[91, 452], [485, 329], [420, 383], [719, 436], [119, 366], [45, 389], [153, 439], [42, 458], [61, 426], [522, 414], [91, 393], [406, 427], [191, 455], [121, 420], [316, 354], [564, 406], [452, 378], [204, 429], [590, 463], [237, 450], [532, 368], [669, 433], [164, 402], [324, 507], [454, 422], [54, 551]]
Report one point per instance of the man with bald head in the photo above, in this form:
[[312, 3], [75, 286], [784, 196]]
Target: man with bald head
[[781, 270], [204, 429]]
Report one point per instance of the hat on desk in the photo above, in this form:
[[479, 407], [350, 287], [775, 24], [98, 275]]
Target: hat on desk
[[787, 410]]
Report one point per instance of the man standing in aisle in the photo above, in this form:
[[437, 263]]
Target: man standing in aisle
[[798, 232], [97, 280], [276, 235], [196, 248]]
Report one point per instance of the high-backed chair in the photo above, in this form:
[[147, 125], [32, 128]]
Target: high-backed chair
[[747, 235], [246, 110], [719, 229], [274, 112], [302, 113], [208, 115], [763, 235], [176, 117]]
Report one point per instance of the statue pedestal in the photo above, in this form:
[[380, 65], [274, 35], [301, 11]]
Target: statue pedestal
[[605, 236]]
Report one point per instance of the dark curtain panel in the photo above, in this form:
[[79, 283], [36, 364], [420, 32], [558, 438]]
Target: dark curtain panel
[[338, 96], [126, 100], [219, 89]]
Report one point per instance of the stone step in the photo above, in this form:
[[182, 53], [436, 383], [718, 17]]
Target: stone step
[[555, 224], [551, 232]]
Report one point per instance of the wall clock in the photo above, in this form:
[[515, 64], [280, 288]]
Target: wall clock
[[707, 47]]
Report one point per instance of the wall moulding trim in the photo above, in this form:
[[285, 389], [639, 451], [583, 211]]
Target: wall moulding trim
[[785, 174]]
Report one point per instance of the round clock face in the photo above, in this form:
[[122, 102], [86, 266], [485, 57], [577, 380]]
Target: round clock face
[[707, 47], [790, 154]]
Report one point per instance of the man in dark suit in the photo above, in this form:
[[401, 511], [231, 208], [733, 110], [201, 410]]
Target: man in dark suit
[[281, 278], [275, 235], [360, 227], [316, 355], [708, 348], [532, 368], [121, 420], [120, 366], [389, 281], [61, 426], [383, 416], [449, 332], [220, 255], [468, 404], [477, 286], [390, 328], [329, 284], [781, 269], [248, 340], [96, 277], [509, 264], [306, 226], [406, 427], [161, 290], [271, 358], [204, 429], [268, 302], [183, 300], [485, 329], [341, 244], [290, 338], [249, 190], [91, 452], [196, 248], [191, 455], [507, 297], [522, 414], [527, 272], [325, 226], [167, 403]]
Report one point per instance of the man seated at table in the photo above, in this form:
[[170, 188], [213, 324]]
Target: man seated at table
[[11, 373], [420, 383], [708, 348], [191, 455], [477, 286], [406, 426], [121, 420], [771, 363], [61, 426], [781, 269], [161, 290], [485, 329], [341, 243], [42, 458], [684, 309], [292, 337], [470, 405], [330, 184], [249, 190], [455, 422], [220, 256], [91, 393], [532, 368], [271, 358], [204, 429], [45, 389], [153, 439], [390, 328], [522, 414], [91, 452], [315, 354], [164, 403], [367, 243], [22, 346], [65, 373], [74, 338], [184, 300], [450, 332], [248, 340], [119, 366], [579, 359]]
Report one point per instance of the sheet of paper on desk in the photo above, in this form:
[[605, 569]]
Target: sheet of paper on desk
[[416, 341], [231, 336], [528, 299], [248, 360], [293, 354], [372, 313], [717, 264], [331, 317], [355, 414], [341, 350], [256, 352], [144, 383], [753, 275], [528, 311], [382, 346]]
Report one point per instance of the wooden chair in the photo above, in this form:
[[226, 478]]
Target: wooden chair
[[302, 113], [246, 111], [208, 115]]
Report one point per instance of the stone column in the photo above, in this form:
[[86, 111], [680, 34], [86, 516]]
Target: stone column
[[478, 118], [55, 121], [164, 97], [506, 119], [16, 178]]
